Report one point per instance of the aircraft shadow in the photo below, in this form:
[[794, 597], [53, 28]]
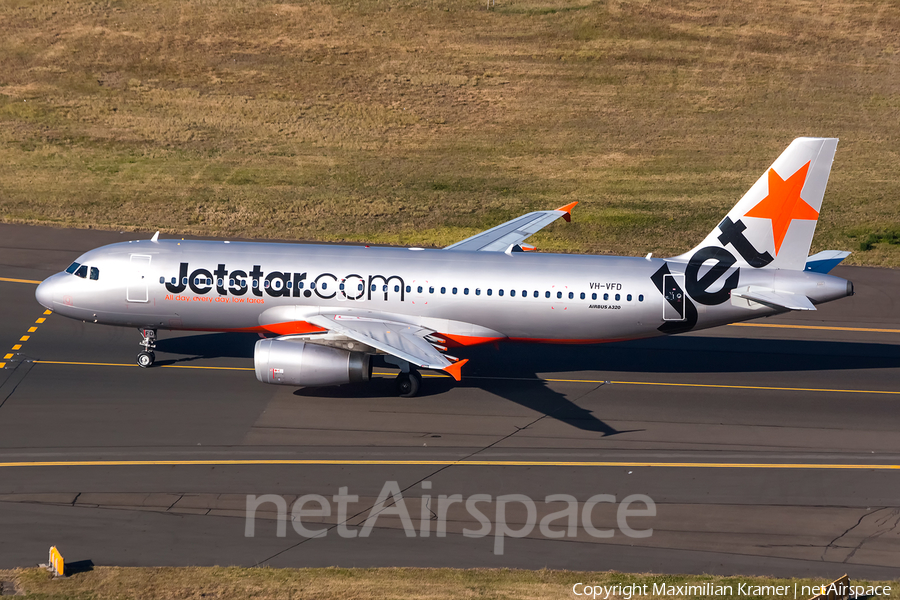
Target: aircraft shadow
[[683, 355], [207, 345], [688, 354]]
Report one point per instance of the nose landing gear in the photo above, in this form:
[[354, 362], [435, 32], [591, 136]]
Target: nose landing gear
[[147, 357]]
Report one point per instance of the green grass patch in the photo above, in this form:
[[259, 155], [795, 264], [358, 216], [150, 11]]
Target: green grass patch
[[336, 120]]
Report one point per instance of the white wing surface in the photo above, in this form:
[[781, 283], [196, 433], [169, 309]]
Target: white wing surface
[[404, 341], [509, 234]]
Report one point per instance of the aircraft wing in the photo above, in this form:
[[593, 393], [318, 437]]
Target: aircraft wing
[[505, 236], [404, 341]]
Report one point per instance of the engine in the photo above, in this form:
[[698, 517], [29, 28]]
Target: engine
[[295, 362]]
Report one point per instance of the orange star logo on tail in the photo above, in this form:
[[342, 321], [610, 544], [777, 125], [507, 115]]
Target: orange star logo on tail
[[784, 204]]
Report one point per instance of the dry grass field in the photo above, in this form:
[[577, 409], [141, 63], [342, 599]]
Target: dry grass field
[[219, 583], [422, 122]]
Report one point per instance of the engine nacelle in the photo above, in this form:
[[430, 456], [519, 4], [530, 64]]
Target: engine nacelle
[[295, 362]]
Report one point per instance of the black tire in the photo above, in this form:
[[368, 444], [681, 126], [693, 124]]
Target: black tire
[[408, 384], [146, 359]]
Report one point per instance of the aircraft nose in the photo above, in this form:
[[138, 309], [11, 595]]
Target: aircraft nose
[[46, 291]]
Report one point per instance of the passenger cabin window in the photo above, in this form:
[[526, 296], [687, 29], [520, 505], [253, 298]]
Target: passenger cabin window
[[641, 298], [466, 291], [454, 290], [606, 296], [546, 294], [489, 291], [162, 279], [594, 296], [419, 289], [559, 294], [512, 293], [582, 295], [499, 292], [628, 297], [618, 297]]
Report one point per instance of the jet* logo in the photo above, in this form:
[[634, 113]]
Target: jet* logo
[[783, 204]]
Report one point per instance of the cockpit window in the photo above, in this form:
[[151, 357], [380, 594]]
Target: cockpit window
[[82, 271], [72, 268], [95, 273]]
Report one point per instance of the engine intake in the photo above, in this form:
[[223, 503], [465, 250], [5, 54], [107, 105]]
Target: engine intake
[[295, 362]]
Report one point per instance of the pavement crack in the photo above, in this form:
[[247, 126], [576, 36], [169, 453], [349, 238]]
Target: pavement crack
[[75, 499], [174, 503], [879, 521], [9, 387]]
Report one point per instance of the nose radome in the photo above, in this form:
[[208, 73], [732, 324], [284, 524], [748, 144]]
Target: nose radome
[[44, 292]]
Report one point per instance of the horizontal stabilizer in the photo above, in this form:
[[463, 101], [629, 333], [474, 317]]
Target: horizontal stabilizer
[[773, 298], [825, 261]]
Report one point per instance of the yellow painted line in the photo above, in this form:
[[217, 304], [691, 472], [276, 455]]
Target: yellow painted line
[[749, 387], [820, 327], [41, 320], [32, 329], [654, 383], [96, 364], [24, 338], [460, 463], [19, 280], [8, 356], [17, 347]]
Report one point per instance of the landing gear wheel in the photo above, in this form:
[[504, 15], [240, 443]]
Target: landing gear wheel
[[408, 384], [146, 359]]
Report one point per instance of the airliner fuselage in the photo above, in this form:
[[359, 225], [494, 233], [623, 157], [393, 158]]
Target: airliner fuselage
[[333, 307]]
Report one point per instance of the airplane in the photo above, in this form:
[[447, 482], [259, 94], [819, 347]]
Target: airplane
[[323, 311]]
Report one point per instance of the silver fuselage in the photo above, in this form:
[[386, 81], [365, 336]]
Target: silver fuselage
[[470, 296]]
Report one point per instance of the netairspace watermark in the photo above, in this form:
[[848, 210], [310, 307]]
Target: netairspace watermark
[[629, 591], [433, 515]]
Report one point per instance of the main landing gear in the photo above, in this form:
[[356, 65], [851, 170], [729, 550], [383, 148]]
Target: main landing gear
[[408, 384], [147, 357], [408, 380]]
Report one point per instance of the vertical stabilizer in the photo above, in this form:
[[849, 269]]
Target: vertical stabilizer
[[773, 224]]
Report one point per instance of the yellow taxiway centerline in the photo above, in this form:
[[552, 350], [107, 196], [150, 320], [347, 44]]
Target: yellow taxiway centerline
[[19, 280], [536, 379], [460, 463]]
